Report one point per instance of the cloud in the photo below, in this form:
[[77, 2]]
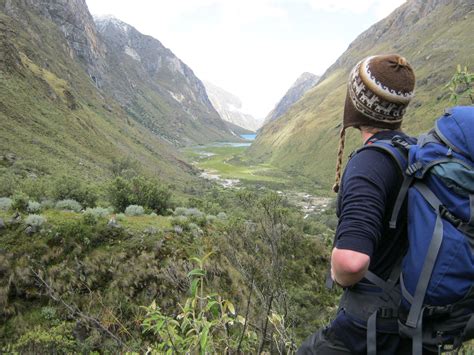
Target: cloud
[[381, 8]]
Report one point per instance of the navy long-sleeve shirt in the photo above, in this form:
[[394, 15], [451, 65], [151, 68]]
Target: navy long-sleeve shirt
[[369, 188]]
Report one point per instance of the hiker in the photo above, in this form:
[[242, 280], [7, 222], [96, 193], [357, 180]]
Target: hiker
[[379, 90]]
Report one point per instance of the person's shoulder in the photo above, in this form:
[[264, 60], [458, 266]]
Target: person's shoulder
[[370, 156]]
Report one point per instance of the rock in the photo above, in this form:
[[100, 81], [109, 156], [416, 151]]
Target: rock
[[30, 230], [113, 223], [16, 218]]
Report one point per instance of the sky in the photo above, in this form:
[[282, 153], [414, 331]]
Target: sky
[[254, 49]]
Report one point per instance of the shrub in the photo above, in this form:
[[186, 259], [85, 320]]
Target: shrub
[[72, 188], [139, 191], [120, 216], [69, 205], [222, 215], [134, 210], [8, 182], [211, 219], [181, 221], [153, 214], [5, 203], [33, 206], [47, 204], [98, 212], [36, 188], [92, 215], [180, 211], [35, 221], [20, 202]]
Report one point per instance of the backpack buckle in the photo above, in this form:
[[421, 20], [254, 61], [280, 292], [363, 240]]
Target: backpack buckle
[[444, 213], [413, 168], [400, 142], [387, 313]]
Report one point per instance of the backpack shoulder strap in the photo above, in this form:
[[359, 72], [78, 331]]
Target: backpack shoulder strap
[[397, 148]]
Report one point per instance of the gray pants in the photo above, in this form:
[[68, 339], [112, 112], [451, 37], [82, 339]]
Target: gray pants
[[323, 342]]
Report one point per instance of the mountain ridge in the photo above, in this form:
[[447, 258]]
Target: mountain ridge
[[305, 138], [56, 100], [305, 82], [229, 107]]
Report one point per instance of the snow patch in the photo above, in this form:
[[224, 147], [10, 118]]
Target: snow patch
[[178, 97], [132, 53]]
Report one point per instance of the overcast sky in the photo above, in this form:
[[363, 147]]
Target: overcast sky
[[254, 49]]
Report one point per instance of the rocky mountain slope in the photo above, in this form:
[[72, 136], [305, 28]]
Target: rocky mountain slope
[[434, 36], [305, 82], [73, 96], [229, 108], [157, 88]]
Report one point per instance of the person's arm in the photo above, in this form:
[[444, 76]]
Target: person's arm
[[365, 185], [348, 267]]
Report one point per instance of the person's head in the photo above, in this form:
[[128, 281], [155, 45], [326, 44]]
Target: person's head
[[378, 92]]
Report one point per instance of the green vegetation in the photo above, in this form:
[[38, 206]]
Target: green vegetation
[[461, 86], [305, 139], [77, 281], [231, 162]]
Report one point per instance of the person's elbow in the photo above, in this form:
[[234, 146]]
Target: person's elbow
[[348, 266]]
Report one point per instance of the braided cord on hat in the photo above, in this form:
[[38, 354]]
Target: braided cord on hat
[[340, 154]]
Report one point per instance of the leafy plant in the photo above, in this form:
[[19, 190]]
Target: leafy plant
[[134, 210], [33, 206], [20, 202], [35, 221], [461, 85], [69, 205], [72, 188], [139, 191], [5, 203], [207, 323]]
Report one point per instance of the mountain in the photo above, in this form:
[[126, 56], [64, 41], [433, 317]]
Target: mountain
[[72, 99], [305, 82], [156, 88], [229, 107], [434, 35]]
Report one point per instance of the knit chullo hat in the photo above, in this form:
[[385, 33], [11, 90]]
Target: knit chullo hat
[[378, 92]]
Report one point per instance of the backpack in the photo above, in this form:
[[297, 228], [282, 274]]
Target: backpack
[[437, 273]]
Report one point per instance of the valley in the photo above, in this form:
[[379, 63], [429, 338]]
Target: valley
[[226, 164]]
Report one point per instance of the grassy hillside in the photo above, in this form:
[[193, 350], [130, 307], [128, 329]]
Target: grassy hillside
[[433, 35], [54, 120]]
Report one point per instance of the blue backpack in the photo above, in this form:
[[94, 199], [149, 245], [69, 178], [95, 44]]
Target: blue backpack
[[437, 272]]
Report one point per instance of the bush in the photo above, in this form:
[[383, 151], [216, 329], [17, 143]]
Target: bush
[[20, 202], [5, 203], [8, 182], [37, 188], [69, 205], [71, 188], [35, 221], [134, 210], [92, 215], [222, 215], [98, 212], [120, 216], [139, 191], [47, 204], [211, 219], [33, 206]]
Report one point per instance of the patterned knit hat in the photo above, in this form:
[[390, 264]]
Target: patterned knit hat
[[378, 92]]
